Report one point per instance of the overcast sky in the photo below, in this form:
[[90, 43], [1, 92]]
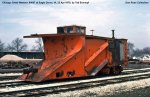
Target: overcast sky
[[131, 21]]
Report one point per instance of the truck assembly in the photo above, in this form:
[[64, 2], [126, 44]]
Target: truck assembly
[[71, 53]]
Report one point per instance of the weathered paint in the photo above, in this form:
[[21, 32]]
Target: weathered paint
[[73, 55]]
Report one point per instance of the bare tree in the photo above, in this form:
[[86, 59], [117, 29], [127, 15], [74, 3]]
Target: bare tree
[[146, 50], [130, 48], [1, 46], [141, 52], [39, 45], [137, 52], [17, 45]]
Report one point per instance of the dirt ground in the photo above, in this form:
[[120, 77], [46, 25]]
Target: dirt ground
[[141, 92]]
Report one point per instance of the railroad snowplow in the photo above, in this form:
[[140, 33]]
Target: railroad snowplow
[[71, 53]]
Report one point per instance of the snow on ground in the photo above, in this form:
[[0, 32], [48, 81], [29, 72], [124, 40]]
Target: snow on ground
[[106, 90]]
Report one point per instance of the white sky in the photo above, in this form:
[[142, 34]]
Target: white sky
[[131, 21]]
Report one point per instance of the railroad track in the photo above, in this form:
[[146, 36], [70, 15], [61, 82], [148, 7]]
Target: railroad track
[[53, 89], [21, 83], [11, 70], [19, 88], [3, 78], [9, 76]]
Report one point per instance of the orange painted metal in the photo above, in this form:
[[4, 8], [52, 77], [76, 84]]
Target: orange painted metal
[[72, 55]]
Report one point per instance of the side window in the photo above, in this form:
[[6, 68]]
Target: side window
[[78, 30], [70, 30], [82, 30], [60, 30]]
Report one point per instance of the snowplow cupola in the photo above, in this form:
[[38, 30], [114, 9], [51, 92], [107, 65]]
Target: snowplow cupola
[[71, 29], [72, 54]]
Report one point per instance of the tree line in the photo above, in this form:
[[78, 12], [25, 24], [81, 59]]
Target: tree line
[[18, 45], [132, 51]]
